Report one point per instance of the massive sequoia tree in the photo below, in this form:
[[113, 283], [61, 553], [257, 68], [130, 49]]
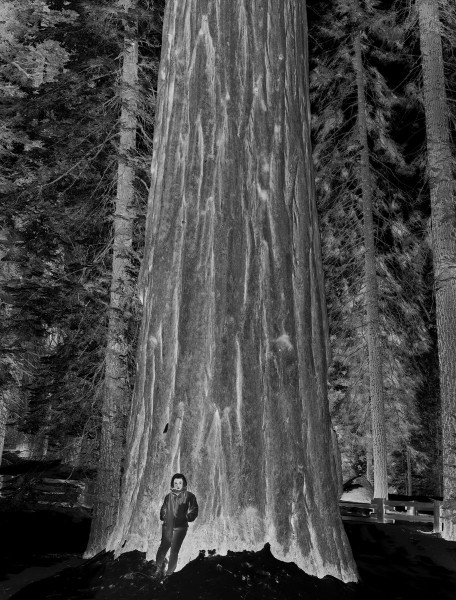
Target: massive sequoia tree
[[441, 183], [231, 384]]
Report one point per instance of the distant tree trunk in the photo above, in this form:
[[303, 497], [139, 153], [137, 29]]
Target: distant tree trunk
[[231, 386], [371, 292], [39, 442], [71, 453], [409, 471], [3, 420], [443, 217], [117, 389], [8, 373], [369, 462], [336, 463]]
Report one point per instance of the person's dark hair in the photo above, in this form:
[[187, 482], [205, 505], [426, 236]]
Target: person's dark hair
[[178, 476]]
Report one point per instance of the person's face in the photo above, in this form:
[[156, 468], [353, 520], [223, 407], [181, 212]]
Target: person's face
[[178, 484]]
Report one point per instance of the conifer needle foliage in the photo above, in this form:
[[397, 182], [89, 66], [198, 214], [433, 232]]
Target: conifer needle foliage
[[58, 143], [402, 262]]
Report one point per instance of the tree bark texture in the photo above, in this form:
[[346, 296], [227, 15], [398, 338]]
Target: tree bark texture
[[116, 399], [231, 386], [371, 292], [369, 461], [443, 219], [8, 389], [3, 420], [71, 452], [409, 471]]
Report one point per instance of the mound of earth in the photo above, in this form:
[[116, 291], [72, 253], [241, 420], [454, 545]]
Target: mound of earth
[[394, 562], [246, 575]]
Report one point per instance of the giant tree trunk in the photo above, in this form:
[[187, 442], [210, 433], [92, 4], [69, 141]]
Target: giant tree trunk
[[443, 239], [231, 386], [116, 398], [371, 291]]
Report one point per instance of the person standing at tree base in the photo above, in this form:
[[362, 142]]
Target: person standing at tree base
[[179, 508]]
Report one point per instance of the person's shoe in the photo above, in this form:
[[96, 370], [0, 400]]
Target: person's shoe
[[155, 571]]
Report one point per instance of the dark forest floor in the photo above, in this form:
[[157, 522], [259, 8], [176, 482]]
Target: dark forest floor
[[395, 562]]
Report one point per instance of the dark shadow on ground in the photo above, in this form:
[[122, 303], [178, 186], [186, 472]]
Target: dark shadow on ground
[[43, 566], [35, 545], [394, 562], [401, 563]]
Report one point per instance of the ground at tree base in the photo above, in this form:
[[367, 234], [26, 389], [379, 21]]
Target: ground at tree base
[[395, 563]]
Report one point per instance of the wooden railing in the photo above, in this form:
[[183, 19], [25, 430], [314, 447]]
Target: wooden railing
[[385, 511], [45, 490]]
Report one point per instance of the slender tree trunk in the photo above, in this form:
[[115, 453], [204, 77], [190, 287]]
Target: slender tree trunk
[[8, 389], [409, 471], [371, 293], [71, 454], [117, 389], [369, 462], [231, 386], [3, 420], [39, 442], [443, 217]]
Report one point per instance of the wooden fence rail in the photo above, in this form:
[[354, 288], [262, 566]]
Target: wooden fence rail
[[45, 490], [386, 511]]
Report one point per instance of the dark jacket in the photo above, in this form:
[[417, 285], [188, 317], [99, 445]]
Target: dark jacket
[[178, 510]]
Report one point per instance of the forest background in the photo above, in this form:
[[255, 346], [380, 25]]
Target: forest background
[[69, 308]]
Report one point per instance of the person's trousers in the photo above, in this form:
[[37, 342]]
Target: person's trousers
[[171, 538]]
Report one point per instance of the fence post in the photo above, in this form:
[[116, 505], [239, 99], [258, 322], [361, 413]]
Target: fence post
[[437, 516], [380, 505]]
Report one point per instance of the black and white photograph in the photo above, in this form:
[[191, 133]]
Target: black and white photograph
[[227, 299]]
